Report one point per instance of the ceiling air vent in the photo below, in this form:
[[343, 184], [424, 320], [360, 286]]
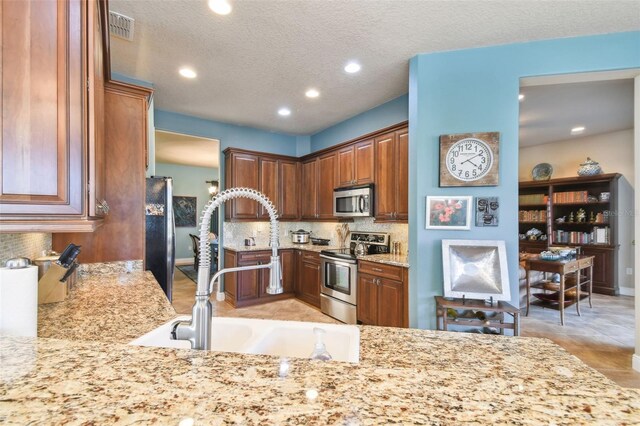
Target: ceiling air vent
[[121, 25]]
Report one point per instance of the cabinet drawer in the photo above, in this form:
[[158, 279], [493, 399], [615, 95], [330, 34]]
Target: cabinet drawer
[[310, 256], [260, 256], [380, 270]]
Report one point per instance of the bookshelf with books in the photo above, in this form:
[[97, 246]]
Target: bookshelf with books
[[580, 211], [533, 214]]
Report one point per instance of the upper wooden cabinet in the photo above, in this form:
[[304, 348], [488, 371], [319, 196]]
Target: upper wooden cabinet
[[309, 190], [326, 182], [391, 176], [356, 164], [275, 176], [53, 61]]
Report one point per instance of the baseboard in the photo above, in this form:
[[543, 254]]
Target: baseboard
[[185, 261], [635, 362], [627, 291]]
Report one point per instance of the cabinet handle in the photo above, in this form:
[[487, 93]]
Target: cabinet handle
[[377, 269]]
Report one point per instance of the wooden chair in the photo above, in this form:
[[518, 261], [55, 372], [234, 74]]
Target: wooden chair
[[195, 243]]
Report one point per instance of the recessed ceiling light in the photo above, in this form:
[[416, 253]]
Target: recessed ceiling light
[[520, 97], [221, 7], [312, 93], [284, 112], [577, 130], [352, 67], [187, 72]]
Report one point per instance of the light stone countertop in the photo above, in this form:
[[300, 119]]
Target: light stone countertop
[[389, 259], [404, 376]]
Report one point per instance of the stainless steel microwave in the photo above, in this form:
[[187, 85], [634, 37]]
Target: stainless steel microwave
[[354, 201]]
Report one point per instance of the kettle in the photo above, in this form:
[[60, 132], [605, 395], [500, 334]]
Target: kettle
[[361, 249]]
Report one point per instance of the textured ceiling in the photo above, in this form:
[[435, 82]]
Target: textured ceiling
[[175, 148], [266, 53], [548, 113]]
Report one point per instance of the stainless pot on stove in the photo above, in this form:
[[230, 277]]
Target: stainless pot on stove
[[300, 236]]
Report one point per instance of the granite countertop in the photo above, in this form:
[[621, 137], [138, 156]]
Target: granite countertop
[[389, 259], [404, 376]]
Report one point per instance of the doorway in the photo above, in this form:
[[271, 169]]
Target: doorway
[[563, 121]]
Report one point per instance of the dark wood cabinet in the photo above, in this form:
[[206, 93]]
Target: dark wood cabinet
[[308, 274], [355, 164], [247, 288], [382, 295], [326, 181], [289, 190], [242, 171], [126, 127], [391, 176], [309, 190], [52, 71], [552, 206], [268, 183], [346, 166]]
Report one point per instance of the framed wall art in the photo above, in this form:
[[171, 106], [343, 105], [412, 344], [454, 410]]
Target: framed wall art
[[469, 159], [487, 211], [185, 210], [445, 212]]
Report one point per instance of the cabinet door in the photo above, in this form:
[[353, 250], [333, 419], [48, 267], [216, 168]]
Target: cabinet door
[[364, 162], [96, 109], [288, 262], [268, 183], [309, 285], [327, 177], [230, 280], [402, 175], [243, 173], [309, 189], [385, 188], [249, 283], [346, 166], [41, 140], [390, 303], [367, 298], [603, 273], [289, 202]]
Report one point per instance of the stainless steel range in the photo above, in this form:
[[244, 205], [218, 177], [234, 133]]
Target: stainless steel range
[[339, 270]]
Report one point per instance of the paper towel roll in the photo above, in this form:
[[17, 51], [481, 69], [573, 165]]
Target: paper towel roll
[[19, 301]]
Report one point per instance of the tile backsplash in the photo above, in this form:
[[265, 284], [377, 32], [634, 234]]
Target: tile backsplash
[[28, 245], [236, 232]]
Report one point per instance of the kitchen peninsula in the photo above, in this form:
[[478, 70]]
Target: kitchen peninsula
[[88, 374]]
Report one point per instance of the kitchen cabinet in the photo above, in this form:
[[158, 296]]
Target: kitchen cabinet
[[275, 176], [289, 190], [125, 118], [308, 277], [247, 288], [391, 176], [327, 181], [242, 171], [309, 190], [356, 164], [54, 63], [382, 295]]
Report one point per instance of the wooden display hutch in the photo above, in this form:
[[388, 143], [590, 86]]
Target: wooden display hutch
[[596, 234]]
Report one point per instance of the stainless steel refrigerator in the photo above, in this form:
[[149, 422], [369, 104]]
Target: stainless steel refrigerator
[[160, 245]]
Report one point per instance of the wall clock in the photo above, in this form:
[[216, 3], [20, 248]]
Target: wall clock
[[469, 159]]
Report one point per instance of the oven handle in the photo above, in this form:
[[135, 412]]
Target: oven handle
[[341, 262]]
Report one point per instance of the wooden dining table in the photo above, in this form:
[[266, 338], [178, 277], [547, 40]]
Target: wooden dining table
[[563, 267]]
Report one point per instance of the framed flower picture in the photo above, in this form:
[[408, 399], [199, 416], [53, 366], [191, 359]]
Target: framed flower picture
[[446, 212]]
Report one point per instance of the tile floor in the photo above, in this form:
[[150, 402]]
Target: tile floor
[[603, 337]]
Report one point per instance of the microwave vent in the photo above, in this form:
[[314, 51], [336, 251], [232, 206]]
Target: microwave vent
[[121, 25]]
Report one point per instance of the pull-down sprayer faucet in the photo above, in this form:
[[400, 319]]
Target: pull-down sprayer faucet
[[198, 330]]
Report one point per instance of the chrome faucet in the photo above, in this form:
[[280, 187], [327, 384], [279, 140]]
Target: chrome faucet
[[198, 330]]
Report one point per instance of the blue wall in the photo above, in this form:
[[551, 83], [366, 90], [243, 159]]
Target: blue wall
[[387, 114], [476, 90], [229, 135], [188, 181]]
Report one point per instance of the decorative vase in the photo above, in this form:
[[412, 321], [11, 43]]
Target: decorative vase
[[589, 168]]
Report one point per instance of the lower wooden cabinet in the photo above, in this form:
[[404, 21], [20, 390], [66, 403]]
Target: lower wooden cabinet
[[380, 300], [604, 269], [250, 287], [308, 277]]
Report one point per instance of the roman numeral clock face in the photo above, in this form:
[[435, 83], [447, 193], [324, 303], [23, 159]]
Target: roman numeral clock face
[[469, 159]]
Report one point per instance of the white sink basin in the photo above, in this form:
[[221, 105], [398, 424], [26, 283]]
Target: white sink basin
[[267, 337]]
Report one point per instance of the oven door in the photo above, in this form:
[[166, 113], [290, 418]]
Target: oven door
[[338, 278]]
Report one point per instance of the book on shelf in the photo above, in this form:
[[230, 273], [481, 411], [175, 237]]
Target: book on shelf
[[532, 215], [533, 199], [571, 197], [598, 235]]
